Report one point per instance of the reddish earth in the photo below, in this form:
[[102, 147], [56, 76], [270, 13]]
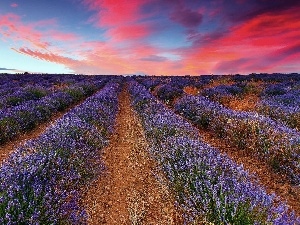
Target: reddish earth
[[191, 90], [128, 192], [246, 103], [221, 81]]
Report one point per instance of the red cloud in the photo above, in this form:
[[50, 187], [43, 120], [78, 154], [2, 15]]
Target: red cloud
[[269, 29], [123, 19], [129, 32], [116, 12], [265, 43]]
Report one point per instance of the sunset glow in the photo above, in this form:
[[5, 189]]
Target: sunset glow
[[154, 37]]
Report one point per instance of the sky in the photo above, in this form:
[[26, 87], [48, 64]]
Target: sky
[[150, 37]]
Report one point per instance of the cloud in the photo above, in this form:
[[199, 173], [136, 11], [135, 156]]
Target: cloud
[[39, 34], [275, 6], [263, 37], [14, 5], [13, 29], [241, 11], [198, 38], [122, 20], [50, 57], [62, 36], [154, 58], [267, 42], [286, 52], [128, 32], [186, 17], [6, 69], [112, 13], [232, 66]]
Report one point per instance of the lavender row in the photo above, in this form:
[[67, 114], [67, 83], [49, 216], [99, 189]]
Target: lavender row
[[31, 92], [278, 101], [286, 114], [224, 93], [11, 83], [277, 144], [25, 117], [41, 182], [17, 89], [282, 103], [208, 185]]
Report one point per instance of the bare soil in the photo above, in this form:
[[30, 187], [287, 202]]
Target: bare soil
[[246, 103], [128, 192], [191, 90], [221, 81]]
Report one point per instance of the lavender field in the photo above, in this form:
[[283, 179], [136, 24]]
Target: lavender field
[[109, 149]]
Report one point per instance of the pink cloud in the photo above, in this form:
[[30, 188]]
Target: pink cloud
[[120, 12], [50, 57], [13, 29], [128, 32], [121, 18], [104, 59], [14, 5], [265, 43]]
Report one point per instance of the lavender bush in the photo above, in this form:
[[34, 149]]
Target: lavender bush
[[26, 116], [40, 183], [208, 185], [283, 107]]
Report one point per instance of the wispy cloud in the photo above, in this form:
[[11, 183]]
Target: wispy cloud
[[154, 58], [6, 69], [186, 17], [14, 5], [203, 37]]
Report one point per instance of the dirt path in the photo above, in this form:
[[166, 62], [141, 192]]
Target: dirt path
[[9, 147], [128, 192]]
